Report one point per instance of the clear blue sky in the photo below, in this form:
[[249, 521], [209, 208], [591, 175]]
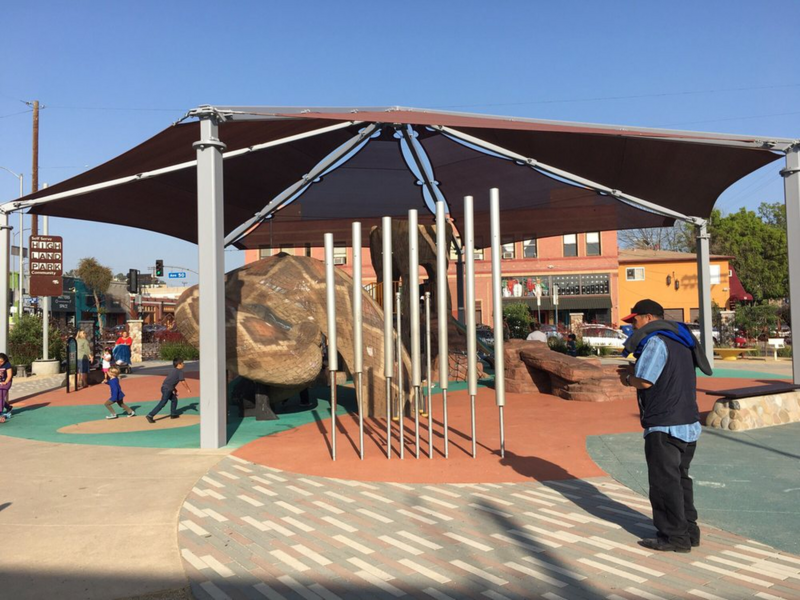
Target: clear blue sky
[[113, 74]]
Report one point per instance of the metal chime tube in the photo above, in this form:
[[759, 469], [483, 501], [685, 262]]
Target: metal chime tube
[[428, 403], [472, 346], [388, 327], [401, 404], [333, 353], [358, 350], [443, 317], [497, 303], [413, 304]]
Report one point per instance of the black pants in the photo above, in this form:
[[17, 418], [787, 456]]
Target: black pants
[[167, 395], [671, 494]]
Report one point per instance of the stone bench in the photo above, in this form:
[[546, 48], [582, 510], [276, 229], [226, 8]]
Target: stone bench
[[732, 353], [741, 409]]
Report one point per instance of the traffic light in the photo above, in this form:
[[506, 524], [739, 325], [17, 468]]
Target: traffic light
[[133, 281], [159, 268]]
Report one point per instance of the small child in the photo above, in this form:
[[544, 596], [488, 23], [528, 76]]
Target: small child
[[107, 358], [572, 345], [116, 394]]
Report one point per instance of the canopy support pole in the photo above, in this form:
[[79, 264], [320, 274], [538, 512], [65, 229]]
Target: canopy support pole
[[211, 260], [791, 190], [704, 290], [5, 252]]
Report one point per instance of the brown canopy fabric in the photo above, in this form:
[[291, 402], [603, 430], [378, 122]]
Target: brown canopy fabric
[[685, 172]]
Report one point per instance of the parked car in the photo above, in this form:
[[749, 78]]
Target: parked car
[[551, 331], [695, 329], [600, 335]]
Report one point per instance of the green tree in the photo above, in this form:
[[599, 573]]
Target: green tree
[[678, 238], [97, 278], [518, 318], [25, 341], [757, 242]]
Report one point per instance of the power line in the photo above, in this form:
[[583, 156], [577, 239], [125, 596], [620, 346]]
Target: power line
[[734, 119], [22, 112], [630, 97], [117, 108]]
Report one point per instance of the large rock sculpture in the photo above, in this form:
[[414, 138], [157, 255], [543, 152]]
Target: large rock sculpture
[[533, 367], [275, 317]]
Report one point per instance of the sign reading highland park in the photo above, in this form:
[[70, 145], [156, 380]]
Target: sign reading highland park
[[46, 265]]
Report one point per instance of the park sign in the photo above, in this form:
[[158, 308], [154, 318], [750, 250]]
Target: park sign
[[46, 265]]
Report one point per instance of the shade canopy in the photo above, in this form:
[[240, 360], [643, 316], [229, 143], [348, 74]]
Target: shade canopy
[[316, 170]]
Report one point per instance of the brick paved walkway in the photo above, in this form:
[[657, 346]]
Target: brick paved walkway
[[251, 531]]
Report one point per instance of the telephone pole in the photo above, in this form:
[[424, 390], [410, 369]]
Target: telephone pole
[[35, 166]]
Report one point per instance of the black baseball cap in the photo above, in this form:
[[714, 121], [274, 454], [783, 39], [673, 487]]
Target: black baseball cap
[[645, 307]]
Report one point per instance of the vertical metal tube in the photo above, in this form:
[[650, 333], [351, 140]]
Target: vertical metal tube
[[211, 258], [358, 350], [497, 308], [791, 193], [428, 402], [5, 253], [388, 327], [413, 304], [442, 313], [21, 278], [45, 305], [401, 404], [704, 290], [472, 346], [333, 352]]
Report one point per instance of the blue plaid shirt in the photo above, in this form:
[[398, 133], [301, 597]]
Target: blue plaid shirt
[[648, 367]]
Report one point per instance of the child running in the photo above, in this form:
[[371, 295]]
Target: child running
[[169, 391], [116, 394]]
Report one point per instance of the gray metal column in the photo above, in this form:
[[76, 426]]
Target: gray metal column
[[388, 328], [442, 314], [413, 306], [5, 253], [460, 310], [333, 350], [472, 346], [429, 396], [45, 305], [791, 190], [21, 278], [211, 260], [497, 308], [401, 401], [358, 346], [704, 290]]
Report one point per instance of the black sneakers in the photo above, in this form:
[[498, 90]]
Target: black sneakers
[[174, 416], [150, 419], [662, 545]]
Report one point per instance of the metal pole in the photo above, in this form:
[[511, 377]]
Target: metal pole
[[357, 331], [401, 404], [211, 258], [791, 191], [388, 329], [5, 252], [413, 305], [45, 305], [704, 290], [497, 307], [333, 353], [472, 346], [21, 271], [442, 313], [428, 403]]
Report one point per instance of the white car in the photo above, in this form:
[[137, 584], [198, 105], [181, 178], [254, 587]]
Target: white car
[[695, 329], [603, 336]]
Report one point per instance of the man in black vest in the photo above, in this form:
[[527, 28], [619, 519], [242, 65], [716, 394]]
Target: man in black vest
[[666, 388]]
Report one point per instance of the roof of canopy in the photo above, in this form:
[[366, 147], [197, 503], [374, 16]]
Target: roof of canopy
[[292, 174]]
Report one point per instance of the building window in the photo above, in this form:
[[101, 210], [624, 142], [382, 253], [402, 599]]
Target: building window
[[673, 314], [593, 243], [595, 284], [287, 249], [634, 274], [529, 248], [714, 275], [568, 285], [339, 255], [478, 312], [307, 250], [264, 252], [509, 250], [571, 245]]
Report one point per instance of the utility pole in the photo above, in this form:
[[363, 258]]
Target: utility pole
[[35, 166]]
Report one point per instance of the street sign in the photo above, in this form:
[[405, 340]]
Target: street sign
[[46, 265], [178, 275]]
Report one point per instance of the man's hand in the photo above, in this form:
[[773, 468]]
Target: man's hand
[[625, 373]]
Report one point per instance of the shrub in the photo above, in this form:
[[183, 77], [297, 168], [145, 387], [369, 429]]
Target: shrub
[[785, 352], [518, 318], [173, 350], [25, 341], [586, 349], [557, 345]]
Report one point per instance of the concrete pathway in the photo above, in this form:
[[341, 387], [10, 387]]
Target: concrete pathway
[[92, 522]]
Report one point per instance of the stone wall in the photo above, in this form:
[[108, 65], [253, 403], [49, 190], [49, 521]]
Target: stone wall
[[533, 367], [135, 331], [755, 412]]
